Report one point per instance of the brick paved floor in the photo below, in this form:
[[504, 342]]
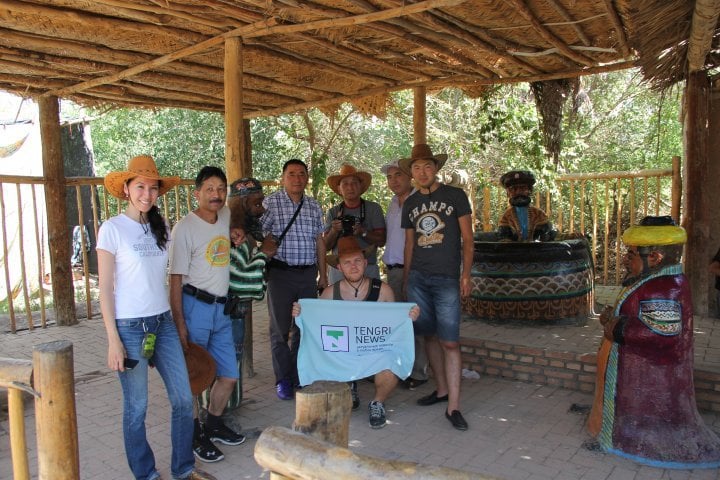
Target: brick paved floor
[[518, 431]]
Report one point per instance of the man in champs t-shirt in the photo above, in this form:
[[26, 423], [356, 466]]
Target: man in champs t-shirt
[[438, 240]]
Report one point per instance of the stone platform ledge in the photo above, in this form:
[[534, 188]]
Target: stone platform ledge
[[558, 367]]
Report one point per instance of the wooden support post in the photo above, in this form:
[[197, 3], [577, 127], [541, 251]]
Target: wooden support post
[[322, 410], [55, 415], [58, 232], [247, 167], [713, 172], [17, 372], [18, 448], [696, 215], [300, 456], [419, 115], [234, 109], [676, 193]]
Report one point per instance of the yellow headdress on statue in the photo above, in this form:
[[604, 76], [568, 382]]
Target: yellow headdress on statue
[[655, 232]]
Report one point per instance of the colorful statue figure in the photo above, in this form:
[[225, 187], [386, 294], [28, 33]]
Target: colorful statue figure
[[644, 407], [522, 222]]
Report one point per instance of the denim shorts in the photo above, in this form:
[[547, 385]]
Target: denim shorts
[[210, 328], [438, 297]]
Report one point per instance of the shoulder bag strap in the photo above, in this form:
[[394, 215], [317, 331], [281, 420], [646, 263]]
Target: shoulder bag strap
[[292, 220]]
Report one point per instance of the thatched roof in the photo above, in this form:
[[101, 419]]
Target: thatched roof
[[300, 54]]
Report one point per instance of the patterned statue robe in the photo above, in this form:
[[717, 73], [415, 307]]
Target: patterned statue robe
[[538, 225], [644, 406]]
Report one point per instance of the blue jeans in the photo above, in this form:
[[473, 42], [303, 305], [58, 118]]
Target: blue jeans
[[209, 327], [438, 297], [170, 363]]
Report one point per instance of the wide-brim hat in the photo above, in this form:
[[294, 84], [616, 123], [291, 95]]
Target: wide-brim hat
[[346, 246], [422, 151], [518, 177], [346, 170], [200, 367], [140, 166]]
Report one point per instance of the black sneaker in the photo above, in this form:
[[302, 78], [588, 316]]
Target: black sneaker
[[225, 435], [354, 395], [376, 411], [205, 450]]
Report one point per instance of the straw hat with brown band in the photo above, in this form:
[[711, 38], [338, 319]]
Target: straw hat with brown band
[[346, 170], [140, 166]]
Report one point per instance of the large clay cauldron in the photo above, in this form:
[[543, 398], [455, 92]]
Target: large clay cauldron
[[531, 282]]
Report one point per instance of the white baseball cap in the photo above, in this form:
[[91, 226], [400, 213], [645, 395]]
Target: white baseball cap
[[395, 164]]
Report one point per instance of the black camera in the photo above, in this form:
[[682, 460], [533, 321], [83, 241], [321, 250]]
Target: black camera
[[348, 223]]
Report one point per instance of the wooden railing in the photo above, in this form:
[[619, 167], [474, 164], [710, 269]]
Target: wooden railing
[[599, 205], [23, 223], [50, 379], [174, 205]]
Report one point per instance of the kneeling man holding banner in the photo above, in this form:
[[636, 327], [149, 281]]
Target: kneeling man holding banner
[[347, 342]]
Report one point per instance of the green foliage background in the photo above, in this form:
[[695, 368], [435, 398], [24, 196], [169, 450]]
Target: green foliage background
[[613, 123]]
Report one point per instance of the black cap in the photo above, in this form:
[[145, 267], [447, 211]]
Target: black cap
[[518, 177]]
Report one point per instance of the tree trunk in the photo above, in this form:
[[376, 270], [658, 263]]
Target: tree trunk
[[322, 410]]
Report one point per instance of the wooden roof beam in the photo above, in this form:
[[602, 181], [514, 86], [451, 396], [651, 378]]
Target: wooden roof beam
[[302, 37], [256, 18], [116, 93], [475, 41], [704, 22], [458, 81], [74, 17], [548, 36], [336, 69], [568, 18], [266, 27], [498, 45], [171, 57], [344, 51], [77, 50], [336, 13], [427, 39], [618, 27], [168, 9], [71, 68], [453, 62]]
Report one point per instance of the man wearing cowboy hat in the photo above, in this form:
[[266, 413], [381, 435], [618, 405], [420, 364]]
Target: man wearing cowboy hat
[[644, 406], [355, 217], [438, 241], [355, 285], [521, 221]]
